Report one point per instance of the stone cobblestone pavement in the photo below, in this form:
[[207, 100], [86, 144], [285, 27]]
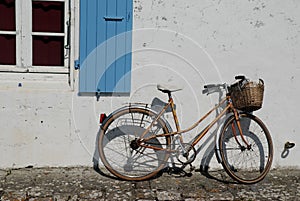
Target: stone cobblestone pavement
[[84, 183]]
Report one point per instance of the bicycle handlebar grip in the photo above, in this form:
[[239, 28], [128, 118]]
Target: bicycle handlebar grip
[[205, 91], [209, 86], [240, 77]]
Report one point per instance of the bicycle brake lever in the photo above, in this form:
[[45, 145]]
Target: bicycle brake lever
[[205, 91]]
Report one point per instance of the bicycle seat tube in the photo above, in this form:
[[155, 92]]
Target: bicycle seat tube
[[171, 101]]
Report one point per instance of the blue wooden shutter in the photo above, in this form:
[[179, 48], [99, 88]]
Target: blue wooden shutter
[[105, 46]]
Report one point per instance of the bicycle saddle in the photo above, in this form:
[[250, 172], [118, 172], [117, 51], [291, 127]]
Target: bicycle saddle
[[165, 88]]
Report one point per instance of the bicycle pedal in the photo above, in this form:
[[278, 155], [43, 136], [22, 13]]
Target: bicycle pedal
[[192, 168], [189, 174]]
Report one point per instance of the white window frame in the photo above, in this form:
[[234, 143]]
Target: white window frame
[[24, 45]]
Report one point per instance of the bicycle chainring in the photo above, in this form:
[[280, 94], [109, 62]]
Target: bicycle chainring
[[186, 153]]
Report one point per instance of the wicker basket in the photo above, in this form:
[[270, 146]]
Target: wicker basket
[[249, 96]]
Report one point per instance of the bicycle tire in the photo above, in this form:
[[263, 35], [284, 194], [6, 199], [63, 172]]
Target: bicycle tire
[[246, 165], [116, 140]]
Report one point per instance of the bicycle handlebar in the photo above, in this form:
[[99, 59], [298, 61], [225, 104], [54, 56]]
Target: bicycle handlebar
[[211, 88]]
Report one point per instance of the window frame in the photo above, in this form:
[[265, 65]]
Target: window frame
[[24, 40]]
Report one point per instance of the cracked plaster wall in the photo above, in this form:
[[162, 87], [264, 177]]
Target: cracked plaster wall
[[188, 43]]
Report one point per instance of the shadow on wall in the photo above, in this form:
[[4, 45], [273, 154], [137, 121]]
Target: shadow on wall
[[286, 149], [211, 148], [96, 158]]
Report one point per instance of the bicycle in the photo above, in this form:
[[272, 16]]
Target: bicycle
[[136, 142]]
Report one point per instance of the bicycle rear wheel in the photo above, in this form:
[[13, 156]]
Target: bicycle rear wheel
[[247, 165], [120, 153]]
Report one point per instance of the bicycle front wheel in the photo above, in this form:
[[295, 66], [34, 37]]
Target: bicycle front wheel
[[120, 152], [246, 164]]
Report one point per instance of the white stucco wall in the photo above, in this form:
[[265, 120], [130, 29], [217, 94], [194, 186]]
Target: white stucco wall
[[45, 123]]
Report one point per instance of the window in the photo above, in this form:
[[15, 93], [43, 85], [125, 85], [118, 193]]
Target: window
[[48, 33], [7, 32], [41, 44]]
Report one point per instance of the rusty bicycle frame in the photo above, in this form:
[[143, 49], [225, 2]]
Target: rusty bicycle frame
[[229, 108]]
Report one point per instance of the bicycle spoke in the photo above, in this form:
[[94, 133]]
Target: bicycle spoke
[[122, 155], [247, 164]]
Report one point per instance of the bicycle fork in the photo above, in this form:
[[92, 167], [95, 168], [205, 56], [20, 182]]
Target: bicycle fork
[[240, 130]]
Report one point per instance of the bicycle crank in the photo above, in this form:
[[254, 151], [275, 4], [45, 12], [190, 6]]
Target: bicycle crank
[[186, 153]]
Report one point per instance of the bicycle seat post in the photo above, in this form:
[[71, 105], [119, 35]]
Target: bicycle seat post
[[172, 105], [168, 90], [170, 96]]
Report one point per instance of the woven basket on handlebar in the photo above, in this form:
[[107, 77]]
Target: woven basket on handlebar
[[249, 96]]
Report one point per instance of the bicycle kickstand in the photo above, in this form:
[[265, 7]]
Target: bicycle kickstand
[[189, 173], [192, 168]]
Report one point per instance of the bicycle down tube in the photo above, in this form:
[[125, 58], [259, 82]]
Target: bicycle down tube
[[178, 131]]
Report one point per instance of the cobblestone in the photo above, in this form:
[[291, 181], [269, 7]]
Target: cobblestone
[[84, 183]]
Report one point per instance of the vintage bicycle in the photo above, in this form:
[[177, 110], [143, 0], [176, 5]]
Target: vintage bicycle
[[136, 142]]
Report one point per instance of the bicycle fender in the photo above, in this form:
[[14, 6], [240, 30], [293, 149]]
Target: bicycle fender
[[140, 107]]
